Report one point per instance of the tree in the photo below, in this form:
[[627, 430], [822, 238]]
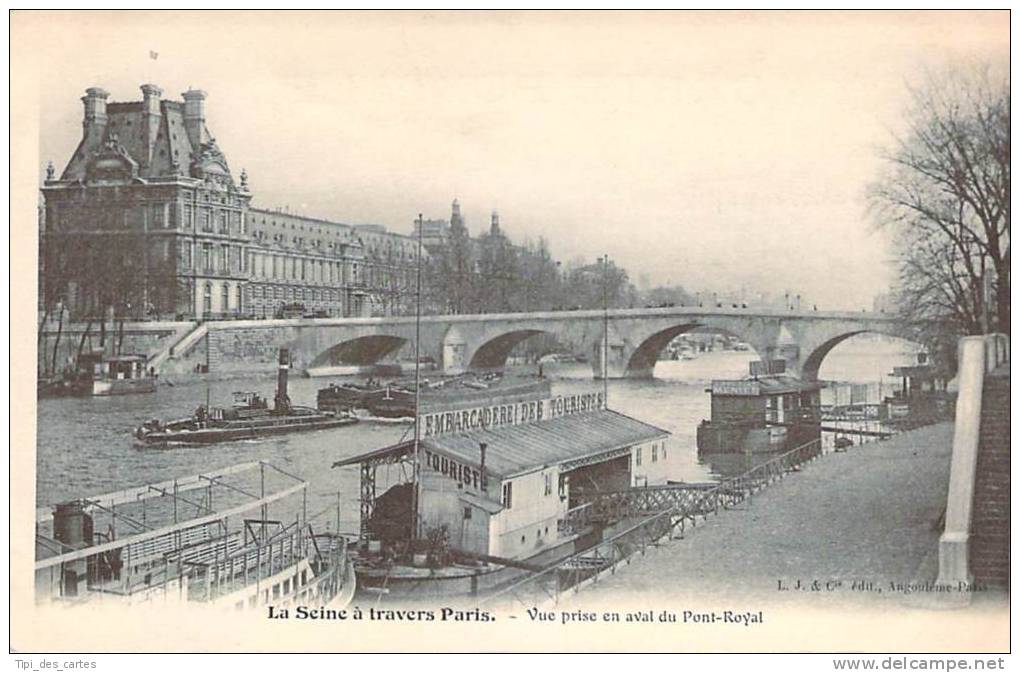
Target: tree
[[499, 278], [945, 196], [450, 273]]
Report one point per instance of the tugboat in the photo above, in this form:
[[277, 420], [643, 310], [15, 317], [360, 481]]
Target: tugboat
[[249, 418]]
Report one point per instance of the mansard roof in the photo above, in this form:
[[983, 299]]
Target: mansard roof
[[177, 150]]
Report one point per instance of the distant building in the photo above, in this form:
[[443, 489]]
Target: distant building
[[148, 219]]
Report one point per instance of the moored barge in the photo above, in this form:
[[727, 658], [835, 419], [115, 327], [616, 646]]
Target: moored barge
[[502, 490], [397, 399], [102, 376], [234, 538]]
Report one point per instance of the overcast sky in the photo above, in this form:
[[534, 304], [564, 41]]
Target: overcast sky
[[711, 150]]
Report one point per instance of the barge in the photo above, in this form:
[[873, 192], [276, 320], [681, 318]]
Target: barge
[[249, 418], [167, 542], [397, 399], [101, 376], [767, 412], [488, 494]]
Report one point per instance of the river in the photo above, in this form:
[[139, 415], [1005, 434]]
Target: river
[[85, 446]]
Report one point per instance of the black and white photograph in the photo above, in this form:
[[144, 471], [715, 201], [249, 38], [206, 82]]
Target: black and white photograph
[[503, 331]]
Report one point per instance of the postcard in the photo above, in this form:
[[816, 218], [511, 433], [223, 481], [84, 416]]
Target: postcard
[[502, 331]]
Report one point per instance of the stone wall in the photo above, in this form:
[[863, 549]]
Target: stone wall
[[138, 338]]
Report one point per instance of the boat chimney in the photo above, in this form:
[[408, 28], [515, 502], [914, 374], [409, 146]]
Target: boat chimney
[[72, 525], [282, 400], [485, 480]]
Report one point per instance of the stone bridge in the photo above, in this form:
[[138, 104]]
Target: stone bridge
[[478, 342]]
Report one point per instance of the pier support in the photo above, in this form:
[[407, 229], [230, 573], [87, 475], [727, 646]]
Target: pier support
[[618, 358]]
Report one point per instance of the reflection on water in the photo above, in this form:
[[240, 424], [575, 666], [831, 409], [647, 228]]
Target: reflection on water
[[85, 446]]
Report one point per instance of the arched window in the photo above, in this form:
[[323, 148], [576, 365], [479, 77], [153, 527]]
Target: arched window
[[225, 299], [207, 299]]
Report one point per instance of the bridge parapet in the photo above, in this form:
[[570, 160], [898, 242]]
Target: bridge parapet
[[465, 342]]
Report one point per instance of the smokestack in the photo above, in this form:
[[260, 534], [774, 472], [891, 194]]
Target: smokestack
[[485, 480], [151, 119], [194, 116], [94, 122], [72, 525], [282, 401]]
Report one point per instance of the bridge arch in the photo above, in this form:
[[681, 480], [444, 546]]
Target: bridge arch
[[493, 353], [643, 358], [363, 350], [814, 354], [642, 361]]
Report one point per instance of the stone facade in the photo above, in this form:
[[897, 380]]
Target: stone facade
[[147, 220]]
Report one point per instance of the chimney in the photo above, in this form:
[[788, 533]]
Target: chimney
[[151, 118], [282, 401], [194, 116], [94, 123]]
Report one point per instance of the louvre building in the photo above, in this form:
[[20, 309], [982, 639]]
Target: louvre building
[[148, 220]]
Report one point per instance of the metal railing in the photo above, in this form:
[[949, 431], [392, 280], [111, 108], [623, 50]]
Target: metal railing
[[577, 571], [575, 519]]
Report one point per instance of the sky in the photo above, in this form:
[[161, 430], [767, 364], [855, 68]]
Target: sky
[[722, 151]]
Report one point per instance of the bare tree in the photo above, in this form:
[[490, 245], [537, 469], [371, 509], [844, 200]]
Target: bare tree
[[945, 196]]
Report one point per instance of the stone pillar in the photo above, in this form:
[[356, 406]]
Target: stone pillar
[[954, 544], [618, 356], [454, 352]]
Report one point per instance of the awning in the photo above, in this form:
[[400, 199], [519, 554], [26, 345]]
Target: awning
[[590, 437]]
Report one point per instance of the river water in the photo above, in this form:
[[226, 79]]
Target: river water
[[85, 445]]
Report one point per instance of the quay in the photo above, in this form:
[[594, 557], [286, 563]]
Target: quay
[[844, 526]]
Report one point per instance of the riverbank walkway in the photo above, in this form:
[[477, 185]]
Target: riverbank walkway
[[858, 530]]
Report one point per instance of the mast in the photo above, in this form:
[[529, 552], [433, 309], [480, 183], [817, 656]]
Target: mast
[[416, 483], [605, 330]]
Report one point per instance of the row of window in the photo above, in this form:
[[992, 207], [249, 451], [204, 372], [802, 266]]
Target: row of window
[[207, 296], [300, 268], [213, 258], [289, 294]]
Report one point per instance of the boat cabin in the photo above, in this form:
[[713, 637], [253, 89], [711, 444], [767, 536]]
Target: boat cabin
[[249, 400], [763, 413], [114, 367], [507, 481], [114, 374], [922, 390]]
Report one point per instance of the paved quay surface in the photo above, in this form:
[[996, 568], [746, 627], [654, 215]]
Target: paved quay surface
[[847, 527]]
